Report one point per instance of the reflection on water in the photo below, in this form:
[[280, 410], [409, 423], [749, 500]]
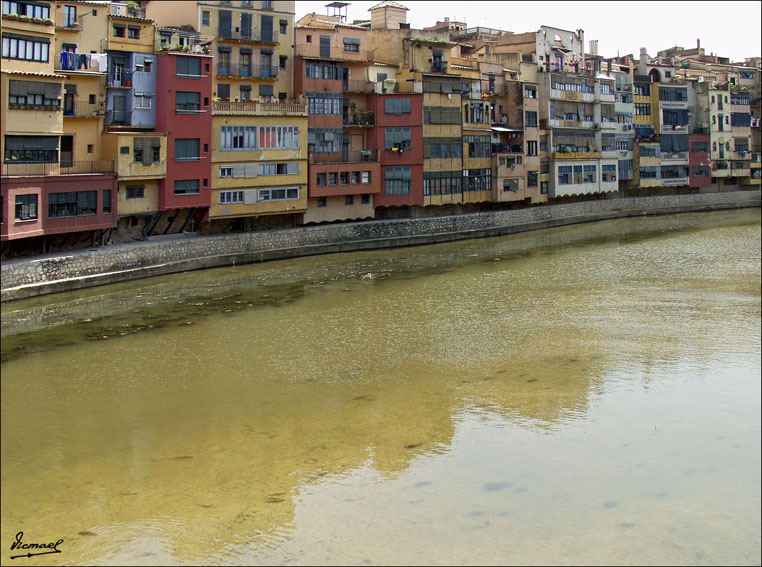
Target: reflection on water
[[589, 394]]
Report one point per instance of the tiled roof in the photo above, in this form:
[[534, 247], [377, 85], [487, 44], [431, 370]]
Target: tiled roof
[[388, 4], [33, 73]]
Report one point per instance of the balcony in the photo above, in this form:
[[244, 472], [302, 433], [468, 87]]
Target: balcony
[[350, 157], [576, 155], [66, 22], [123, 10], [128, 169], [69, 168], [438, 67], [507, 149], [117, 118], [609, 125], [674, 128], [83, 109], [253, 108], [605, 97], [65, 61], [244, 36], [359, 119], [674, 158], [673, 104], [248, 71], [119, 78], [675, 181], [356, 86]]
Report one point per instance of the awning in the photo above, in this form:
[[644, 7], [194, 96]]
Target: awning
[[504, 129]]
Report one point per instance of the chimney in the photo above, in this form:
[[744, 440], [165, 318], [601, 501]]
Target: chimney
[[447, 19], [698, 44]]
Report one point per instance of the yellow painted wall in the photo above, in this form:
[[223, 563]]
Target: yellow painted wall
[[147, 205], [30, 29], [143, 44], [337, 209], [86, 131], [125, 164], [29, 121]]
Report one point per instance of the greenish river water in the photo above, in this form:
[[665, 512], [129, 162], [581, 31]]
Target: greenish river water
[[582, 395]]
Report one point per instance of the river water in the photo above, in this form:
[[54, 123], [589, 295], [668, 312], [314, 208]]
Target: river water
[[580, 395]]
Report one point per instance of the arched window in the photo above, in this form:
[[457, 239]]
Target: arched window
[[714, 146], [712, 99], [714, 119], [727, 120]]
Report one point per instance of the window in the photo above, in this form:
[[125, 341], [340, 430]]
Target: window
[[226, 172], [227, 197], [399, 138], [324, 103], [72, 204], [186, 187], [531, 119], [267, 5], [186, 149], [344, 178], [333, 178], [608, 172], [642, 109], [478, 146], [287, 168], [365, 198], [238, 138], [351, 44], [398, 180], [205, 18], [324, 140], [530, 91], [223, 91], [25, 48], [355, 177], [26, 207], [188, 67], [511, 185], [283, 27], [397, 106], [118, 30], [90, 148], [91, 99], [442, 182], [33, 94], [349, 199], [279, 137], [141, 102], [124, 150], [187, 102], [133, 32], [285, 194], [590, 174], [283, 61], [321, 179], [564, 174], [107, 201], [31, 149], [321, 201], [477, 179], [308, 39], [323, 70], [146, 150], [700, 147], [544, 187], [70, 16], [532, 148], [30, 9], [366, 177]]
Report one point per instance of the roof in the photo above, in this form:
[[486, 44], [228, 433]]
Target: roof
[[327, 24], [387, 4], [34, 74]]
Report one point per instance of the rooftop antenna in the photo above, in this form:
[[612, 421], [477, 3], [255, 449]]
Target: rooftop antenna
[[337, 10]]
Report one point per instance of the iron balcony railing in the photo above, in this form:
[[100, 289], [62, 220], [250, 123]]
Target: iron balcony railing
[[119, 78], [63, 168], [252, 35], [507, 149], [359, 118], [247, 71], [68, 22], [81, 108]]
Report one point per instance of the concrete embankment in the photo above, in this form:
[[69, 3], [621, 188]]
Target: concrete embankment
[[38, 275]]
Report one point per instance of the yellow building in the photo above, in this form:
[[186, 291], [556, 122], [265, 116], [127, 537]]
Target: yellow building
[[259, 159], [253, 46]]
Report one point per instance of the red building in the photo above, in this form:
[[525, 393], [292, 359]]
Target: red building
[[699, 161], [397, 188], [184, 103], [45, 202]]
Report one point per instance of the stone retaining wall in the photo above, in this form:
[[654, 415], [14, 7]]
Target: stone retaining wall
[[27, 277]]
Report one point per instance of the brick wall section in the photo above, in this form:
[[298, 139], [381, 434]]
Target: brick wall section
[[27, 277]]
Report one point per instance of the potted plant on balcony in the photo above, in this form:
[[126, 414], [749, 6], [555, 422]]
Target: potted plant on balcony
[[75, 24], [23, 17], [37, 20], [355, 114], [48, 22]]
